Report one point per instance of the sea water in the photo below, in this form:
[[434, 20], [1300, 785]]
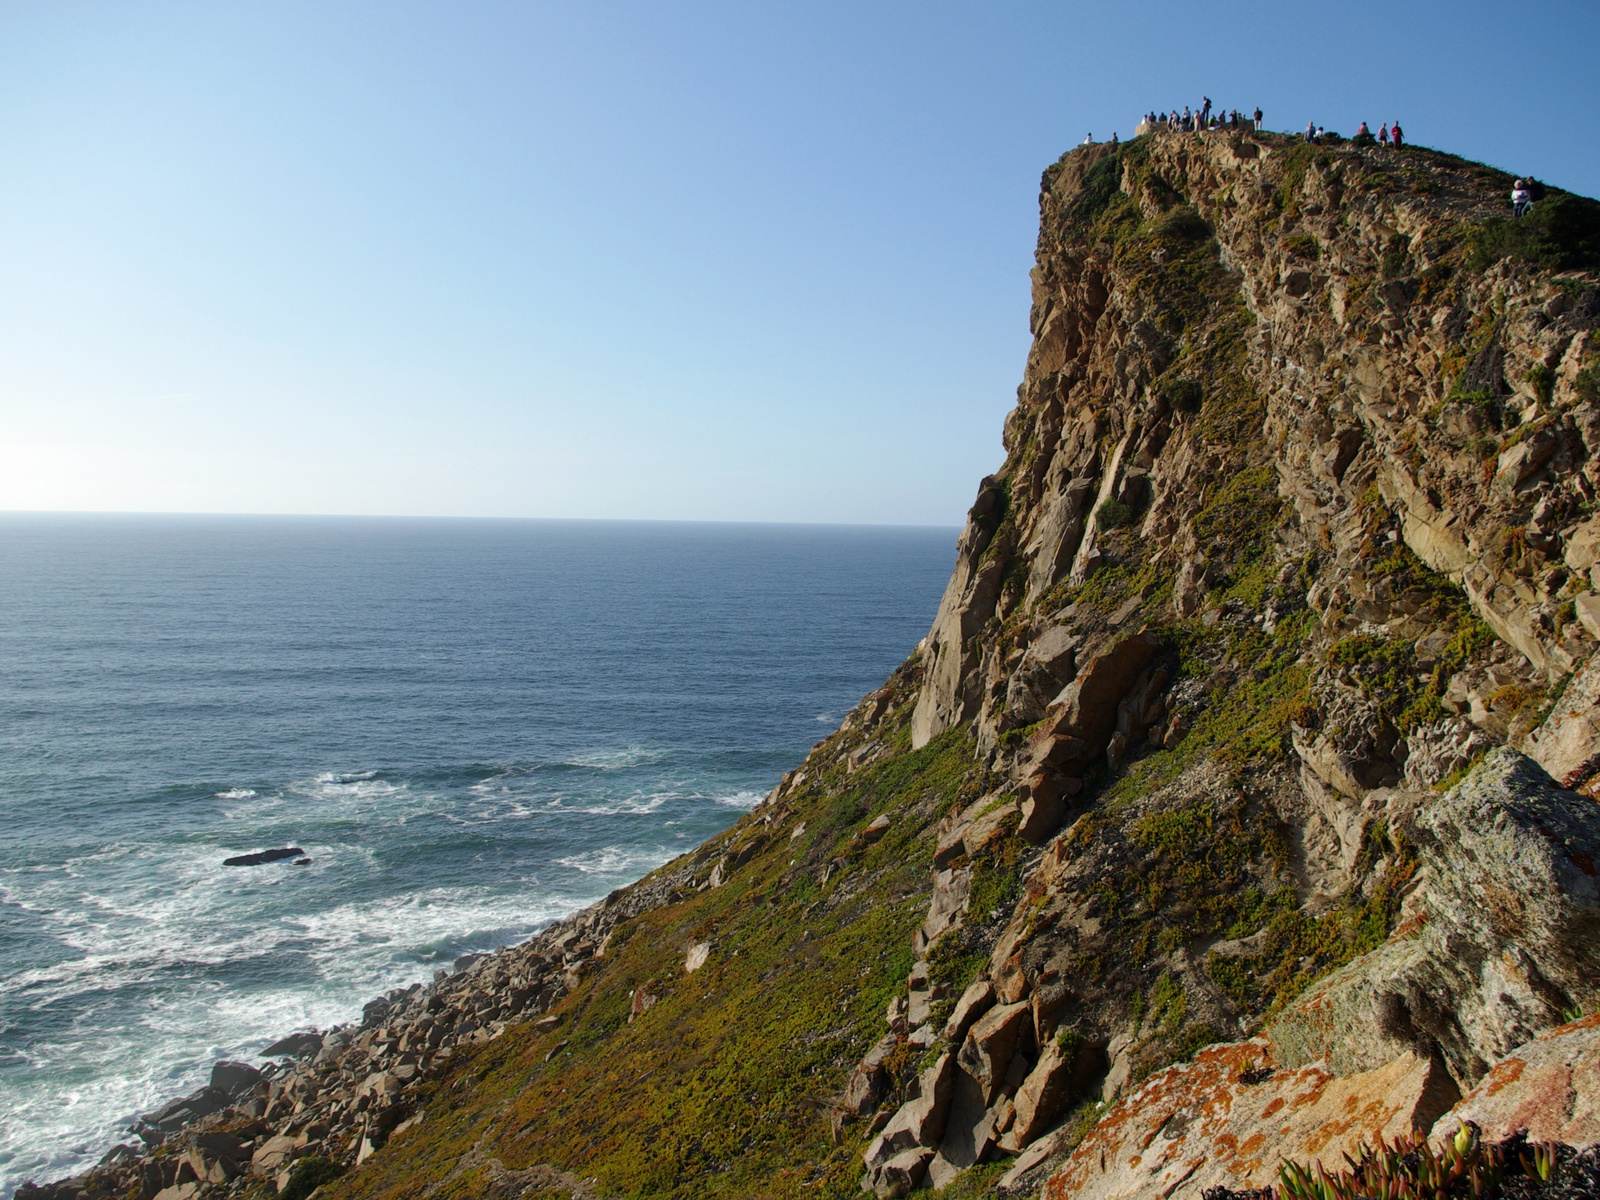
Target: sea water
[[471, 727]]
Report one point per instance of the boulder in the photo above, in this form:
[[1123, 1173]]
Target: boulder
[[869, 1081], [990, 1044], [1087, 707], [1567, 744], [1229, 1117], [234, 1078], [875, 830], [273, 1155], [949, 901], [696, 958], [1500, 938], [1042, 1098], [899, 1175], [974, 1002], [1582, 549], [968, 1132], [919, 1121], [1549, 1087], [296, 1045]]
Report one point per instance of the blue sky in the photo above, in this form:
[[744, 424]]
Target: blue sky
[[748, 261]]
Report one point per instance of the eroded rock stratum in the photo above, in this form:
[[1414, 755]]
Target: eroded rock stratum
[[1239, 805]]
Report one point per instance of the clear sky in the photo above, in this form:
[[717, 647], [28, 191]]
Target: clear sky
[[747, 261]]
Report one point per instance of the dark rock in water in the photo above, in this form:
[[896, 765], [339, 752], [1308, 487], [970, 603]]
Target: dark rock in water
[[263, 856], [296, 1045], [234, 1077], [302, 862]]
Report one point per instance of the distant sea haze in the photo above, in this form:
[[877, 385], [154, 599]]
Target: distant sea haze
[[471, 727]]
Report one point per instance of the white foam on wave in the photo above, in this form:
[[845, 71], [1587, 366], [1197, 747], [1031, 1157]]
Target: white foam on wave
[[165, 961], [615, 860], [73, 1095], [618, 760]]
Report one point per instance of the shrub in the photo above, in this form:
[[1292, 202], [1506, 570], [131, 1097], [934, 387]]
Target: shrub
[[308, 1175], [1100, 184], [1303, 245], [1396, 256], [1184, 395], [1113, 514]]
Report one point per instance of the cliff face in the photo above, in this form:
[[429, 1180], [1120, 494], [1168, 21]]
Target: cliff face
[[1259, 714]]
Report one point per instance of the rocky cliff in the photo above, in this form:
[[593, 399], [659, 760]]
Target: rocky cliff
[[1238, 807]]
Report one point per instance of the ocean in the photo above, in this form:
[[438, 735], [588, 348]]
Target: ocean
[[470, 727]]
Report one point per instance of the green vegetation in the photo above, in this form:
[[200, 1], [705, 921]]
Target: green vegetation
[[1113, 514], [1410, 1169], [1386, 668], [308, 1175], [1303, 245], [1299, 948], [1561, 233], [1396, 256], [718, 1089]]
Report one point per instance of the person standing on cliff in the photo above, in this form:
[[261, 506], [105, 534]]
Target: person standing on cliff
[[1383, 137], [1258, 118], [1394, 132], [1205, 111]]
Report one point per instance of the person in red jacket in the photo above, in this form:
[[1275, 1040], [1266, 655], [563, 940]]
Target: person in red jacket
[[1394, 132]]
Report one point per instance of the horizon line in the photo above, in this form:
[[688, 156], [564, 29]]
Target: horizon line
[[6, 514]]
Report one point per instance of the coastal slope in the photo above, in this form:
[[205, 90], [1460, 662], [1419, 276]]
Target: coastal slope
[[1252, 755]]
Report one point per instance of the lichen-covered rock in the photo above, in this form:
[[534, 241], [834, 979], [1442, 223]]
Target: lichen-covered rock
[[1503, 934], [1549, 1087], [1231, 1116]]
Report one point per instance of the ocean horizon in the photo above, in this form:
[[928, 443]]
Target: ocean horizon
[[471, 726]]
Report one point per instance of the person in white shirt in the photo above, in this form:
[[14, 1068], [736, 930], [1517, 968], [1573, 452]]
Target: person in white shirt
[[1521, 198]]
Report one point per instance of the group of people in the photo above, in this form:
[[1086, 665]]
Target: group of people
[[1202, 119], [1387, 136]]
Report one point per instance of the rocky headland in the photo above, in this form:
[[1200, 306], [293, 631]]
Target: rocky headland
[[1238, 810]]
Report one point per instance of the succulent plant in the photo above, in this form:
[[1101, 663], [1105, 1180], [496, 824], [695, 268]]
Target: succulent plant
[[1464, 1168]]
